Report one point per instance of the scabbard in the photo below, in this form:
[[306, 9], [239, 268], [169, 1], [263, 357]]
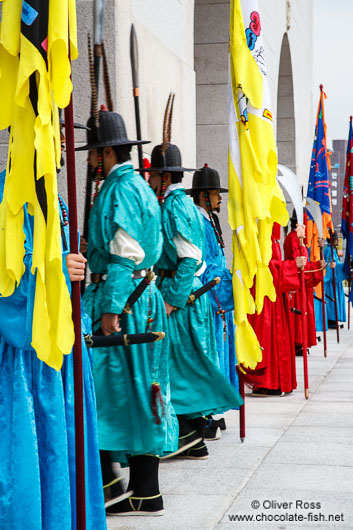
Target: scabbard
[[207, 287], [135, 295], [102, 341]]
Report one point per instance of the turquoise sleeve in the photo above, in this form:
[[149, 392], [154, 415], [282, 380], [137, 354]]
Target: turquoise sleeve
[[118, 284], [180, 288]]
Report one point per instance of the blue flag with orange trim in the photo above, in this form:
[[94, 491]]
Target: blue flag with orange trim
[[319, 184]]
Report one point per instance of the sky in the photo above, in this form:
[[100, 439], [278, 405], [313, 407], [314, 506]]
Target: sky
[[333, 63]]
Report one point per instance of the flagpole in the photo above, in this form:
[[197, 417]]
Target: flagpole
[[349, 293], [242, 407], [76, 316], [304, 322]]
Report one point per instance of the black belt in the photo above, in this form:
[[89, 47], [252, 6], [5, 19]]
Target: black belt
[[136, 275], [97, 278], [165, 273]]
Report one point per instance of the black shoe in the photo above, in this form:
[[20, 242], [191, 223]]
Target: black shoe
[[197, 452], [267, 392], [212, 431], [185, 442], [152, 506], [114, 492], [221, 423]]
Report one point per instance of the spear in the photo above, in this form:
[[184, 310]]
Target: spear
[[135, 89], [334, 287], [313, 207], [98, 12], [76, 316], [304, 321], [242, 407]]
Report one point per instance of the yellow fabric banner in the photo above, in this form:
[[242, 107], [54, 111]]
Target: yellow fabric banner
[[35, 78], [255, 199]]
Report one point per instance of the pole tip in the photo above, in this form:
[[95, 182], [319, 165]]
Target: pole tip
[[306, 393], [242, 440]]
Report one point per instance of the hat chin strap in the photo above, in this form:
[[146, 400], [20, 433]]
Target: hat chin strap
[[210, 215], [163, 188]]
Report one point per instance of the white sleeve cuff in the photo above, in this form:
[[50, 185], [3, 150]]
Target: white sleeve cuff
[[185, 249], [125, 246]]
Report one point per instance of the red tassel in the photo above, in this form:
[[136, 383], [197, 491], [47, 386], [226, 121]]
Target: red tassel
[[157, 394]]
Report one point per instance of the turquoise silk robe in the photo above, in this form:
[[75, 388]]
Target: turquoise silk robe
[[221, 297], [124, 375], [197, 385]]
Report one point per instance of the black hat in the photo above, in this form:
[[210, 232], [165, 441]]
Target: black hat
[[206, 178], [76, 124], [333, 235], [169, 162], [110, 132]]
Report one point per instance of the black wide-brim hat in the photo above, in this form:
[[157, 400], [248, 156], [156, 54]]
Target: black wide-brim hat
[[110, 132], [206, 178], [170, 162], [76, 124]]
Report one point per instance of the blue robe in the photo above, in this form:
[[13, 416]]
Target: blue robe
[[221, 297], [37, 489], [197, 385], [329, 290], [124, 375]]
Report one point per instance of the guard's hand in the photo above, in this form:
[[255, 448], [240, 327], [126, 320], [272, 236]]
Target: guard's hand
[[300, 231], [333, 264], [321, 242], [110, 323], [322, 263], [83, 245], [300, 261], [168, 308], [76, 264]]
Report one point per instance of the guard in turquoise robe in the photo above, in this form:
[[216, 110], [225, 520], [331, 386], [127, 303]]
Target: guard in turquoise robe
[[206, 192], [198, 387], [37, 452], [340, 276], [125, 240]]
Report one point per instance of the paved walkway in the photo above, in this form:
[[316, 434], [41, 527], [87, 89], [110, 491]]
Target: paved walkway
[[295, 451]]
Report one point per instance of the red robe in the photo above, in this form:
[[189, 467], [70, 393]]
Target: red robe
[[291, 251], [277, 368]]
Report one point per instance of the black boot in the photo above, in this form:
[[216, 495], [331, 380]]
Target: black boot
[[112, 485], [147, 499], [197, 451], [189, 434], [212, 431]]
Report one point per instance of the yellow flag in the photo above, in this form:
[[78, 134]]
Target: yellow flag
[[35, 78], [255, 199]]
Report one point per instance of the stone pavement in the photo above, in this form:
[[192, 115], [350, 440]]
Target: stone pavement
[[295, 451]]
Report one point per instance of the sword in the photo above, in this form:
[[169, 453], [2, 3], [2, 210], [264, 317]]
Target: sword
[[100, 341], [296, 311], [207, 287]]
